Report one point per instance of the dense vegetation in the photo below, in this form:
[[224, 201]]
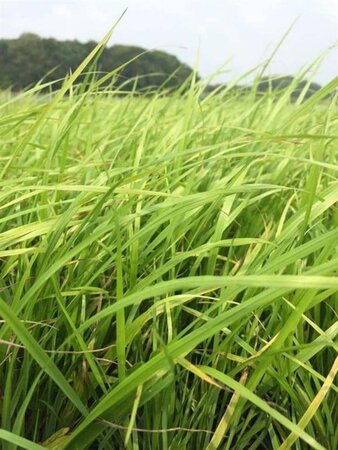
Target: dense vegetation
[[168, 270], [293, 87], [29, 59]]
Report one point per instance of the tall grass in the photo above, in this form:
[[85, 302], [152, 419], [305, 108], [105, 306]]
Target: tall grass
[[168, 271]]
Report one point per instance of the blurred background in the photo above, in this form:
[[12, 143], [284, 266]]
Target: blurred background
[[225, 36]]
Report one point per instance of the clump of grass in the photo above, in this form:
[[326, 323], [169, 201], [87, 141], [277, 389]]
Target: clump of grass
[[168, 271]]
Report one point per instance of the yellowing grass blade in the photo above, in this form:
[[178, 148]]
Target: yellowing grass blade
[[261, 404], [313, 407], [224, 423]]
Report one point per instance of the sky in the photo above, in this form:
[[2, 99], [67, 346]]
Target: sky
[[229, 37]]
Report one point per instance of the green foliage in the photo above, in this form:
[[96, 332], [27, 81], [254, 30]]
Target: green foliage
[[283, 83], [285, 86], [168, 269], [29, 59]]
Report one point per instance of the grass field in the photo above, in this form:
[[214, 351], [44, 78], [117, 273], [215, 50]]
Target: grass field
[[168, 271]]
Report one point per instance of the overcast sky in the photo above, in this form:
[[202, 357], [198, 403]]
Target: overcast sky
[[242, 32]]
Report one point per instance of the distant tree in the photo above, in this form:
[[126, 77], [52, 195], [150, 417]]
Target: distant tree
[[26, 60], [152, 67], [269, 84], [281, 83]]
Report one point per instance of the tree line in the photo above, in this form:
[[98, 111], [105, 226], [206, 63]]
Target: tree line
[[273, 84], [30, 58]]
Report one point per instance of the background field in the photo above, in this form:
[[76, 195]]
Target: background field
[[168, 270]]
